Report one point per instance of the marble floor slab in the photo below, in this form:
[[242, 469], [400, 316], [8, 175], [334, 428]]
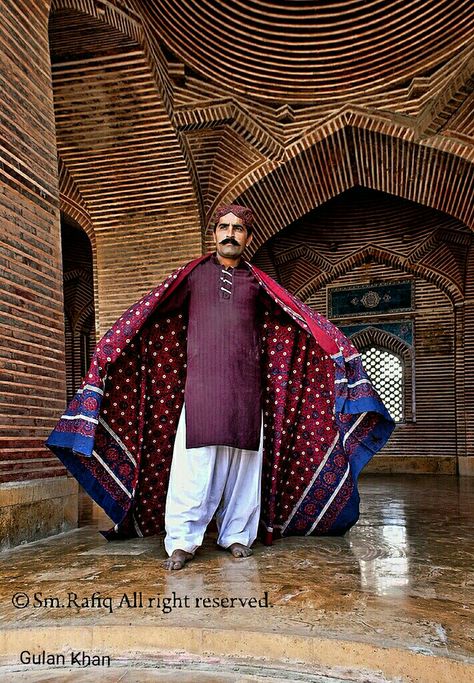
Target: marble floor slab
[[402, 578]]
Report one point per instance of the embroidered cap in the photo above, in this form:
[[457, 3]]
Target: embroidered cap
[[245, 214]]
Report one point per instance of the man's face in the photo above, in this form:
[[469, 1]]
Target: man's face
[[231, 236]]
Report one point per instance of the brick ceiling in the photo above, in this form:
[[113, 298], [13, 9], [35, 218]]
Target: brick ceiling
[[284, 105], [301, 51]]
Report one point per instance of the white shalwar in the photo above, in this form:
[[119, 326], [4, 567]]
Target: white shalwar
[[207, 481]]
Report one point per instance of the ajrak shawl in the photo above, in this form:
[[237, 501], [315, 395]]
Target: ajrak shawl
[[323, 419]]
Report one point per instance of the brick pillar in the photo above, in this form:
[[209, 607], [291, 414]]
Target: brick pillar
[[466, 462], [460, 379], [36, 497]]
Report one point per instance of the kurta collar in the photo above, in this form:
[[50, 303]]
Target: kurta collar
[[241, 265]]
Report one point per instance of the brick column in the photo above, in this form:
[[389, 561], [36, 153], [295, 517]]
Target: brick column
[[466, 462], [36, 498]]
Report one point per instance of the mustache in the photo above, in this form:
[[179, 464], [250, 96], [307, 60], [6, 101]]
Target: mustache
[[230, 240]]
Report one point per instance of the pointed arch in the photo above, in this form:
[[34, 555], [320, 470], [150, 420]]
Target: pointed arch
[[73, 204], [355, 149], [373, 253], [116, 138]]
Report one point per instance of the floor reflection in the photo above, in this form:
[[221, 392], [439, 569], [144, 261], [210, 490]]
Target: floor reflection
[[383, 552]]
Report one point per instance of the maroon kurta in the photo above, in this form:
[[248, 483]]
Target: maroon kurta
[[223, 383], [223, 386]]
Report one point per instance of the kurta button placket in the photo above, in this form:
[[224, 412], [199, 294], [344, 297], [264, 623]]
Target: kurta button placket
[[226, 282]]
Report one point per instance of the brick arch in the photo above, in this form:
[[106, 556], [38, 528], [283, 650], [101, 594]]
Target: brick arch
[[79, 298], [121, 21], [116, 138], [74, 211], [371, 336], [130, 24], [73, 205], [445, 284], [350, 151], [71, 274], [86, 313]]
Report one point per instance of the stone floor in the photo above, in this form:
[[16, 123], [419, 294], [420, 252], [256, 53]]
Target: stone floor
[[390, 601]]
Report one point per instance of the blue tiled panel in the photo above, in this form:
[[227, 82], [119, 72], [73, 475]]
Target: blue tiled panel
[[374, 299]]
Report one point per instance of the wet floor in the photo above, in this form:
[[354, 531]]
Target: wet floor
[[403, 577]]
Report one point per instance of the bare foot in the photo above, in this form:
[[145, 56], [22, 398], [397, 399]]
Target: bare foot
[[239, 550], [177, 559]]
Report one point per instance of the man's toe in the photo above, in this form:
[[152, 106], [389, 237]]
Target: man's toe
[[240, 551], [172, 564]]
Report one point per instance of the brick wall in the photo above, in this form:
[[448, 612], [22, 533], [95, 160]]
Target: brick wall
[[434, 432], [32, 381], [120, 152], [465, 358]]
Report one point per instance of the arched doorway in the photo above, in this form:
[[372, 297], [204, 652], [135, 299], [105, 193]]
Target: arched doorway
[[79, 319], [78, 302], [391, 274]]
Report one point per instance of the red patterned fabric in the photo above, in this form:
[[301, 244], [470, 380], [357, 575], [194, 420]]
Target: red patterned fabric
[[322, 418]]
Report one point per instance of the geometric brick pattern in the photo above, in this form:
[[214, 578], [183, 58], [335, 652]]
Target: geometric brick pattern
[[32, 377], [290, 52], [363, 226]]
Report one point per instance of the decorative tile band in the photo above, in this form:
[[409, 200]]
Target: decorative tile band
[[373, 299]]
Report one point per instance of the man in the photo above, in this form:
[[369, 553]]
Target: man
[[217, 457], [167, 428]]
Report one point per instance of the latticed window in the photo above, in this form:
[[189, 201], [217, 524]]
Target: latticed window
[[385, 370]]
